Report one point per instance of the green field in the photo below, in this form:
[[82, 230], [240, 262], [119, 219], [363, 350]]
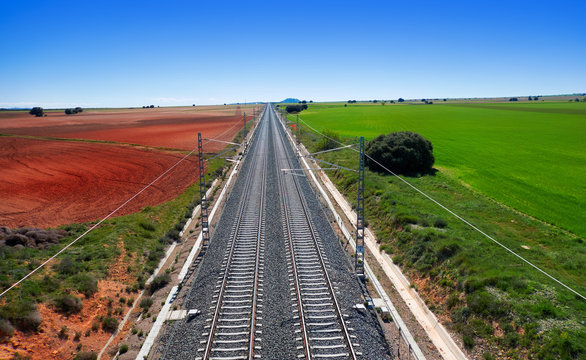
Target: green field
[[507, 152], [529, 156]]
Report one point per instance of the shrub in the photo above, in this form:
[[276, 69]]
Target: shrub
[[36, 111], [147, 225], [511, 339], [16, 239], [123, 349], [447, 251], [173, 234], [86, 355], [67, 266], [461, 315], [484, 304], [86, 284], [63, 333], [69, 304], [146, 303], [401, 152], [330, 141], [468, 341], [28, 322], [77, 336], [95, 325], [159, 282], [6, 328], [403, 219], [440, 223], [109, 324], [452, 301]]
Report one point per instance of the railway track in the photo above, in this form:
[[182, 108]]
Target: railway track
[[237, 301], [322, 327], [274, 265]]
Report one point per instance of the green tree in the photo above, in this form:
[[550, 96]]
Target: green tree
[[37, 111], [402, 152]]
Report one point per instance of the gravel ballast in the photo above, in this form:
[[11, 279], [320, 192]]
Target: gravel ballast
[[181, 339]]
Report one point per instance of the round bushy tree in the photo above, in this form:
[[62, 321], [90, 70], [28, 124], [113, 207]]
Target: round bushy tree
[[36, 111], [401, 152]]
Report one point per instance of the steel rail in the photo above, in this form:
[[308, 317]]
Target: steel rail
[[257, 263], [303, 202], [243, 202], [304, 335]]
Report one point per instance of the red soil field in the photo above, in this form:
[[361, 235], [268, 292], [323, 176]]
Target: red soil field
[[167, 127], [46, 183], [49, 183]]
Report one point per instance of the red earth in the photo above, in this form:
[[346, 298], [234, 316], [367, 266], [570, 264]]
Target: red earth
[[160, 127], [46, 183]]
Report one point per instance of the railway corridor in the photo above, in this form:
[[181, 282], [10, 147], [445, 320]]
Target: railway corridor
[[275, 282]]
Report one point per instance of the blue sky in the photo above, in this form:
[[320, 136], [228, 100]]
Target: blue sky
[[133, 53]]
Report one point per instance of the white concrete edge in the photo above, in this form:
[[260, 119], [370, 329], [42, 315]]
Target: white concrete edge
[[161, 317], [379, 288]]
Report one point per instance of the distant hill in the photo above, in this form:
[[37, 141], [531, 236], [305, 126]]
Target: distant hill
[[290, 100]]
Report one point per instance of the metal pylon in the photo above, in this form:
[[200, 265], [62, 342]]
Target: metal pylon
[[359, 258], [205, 230]]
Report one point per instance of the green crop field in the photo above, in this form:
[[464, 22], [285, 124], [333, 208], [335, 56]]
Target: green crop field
[[529, 156]]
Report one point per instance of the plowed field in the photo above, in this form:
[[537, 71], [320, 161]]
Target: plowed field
[[48, 183], [45, 183]]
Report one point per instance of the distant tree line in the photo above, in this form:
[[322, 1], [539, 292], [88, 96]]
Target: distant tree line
[[149, 106]]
